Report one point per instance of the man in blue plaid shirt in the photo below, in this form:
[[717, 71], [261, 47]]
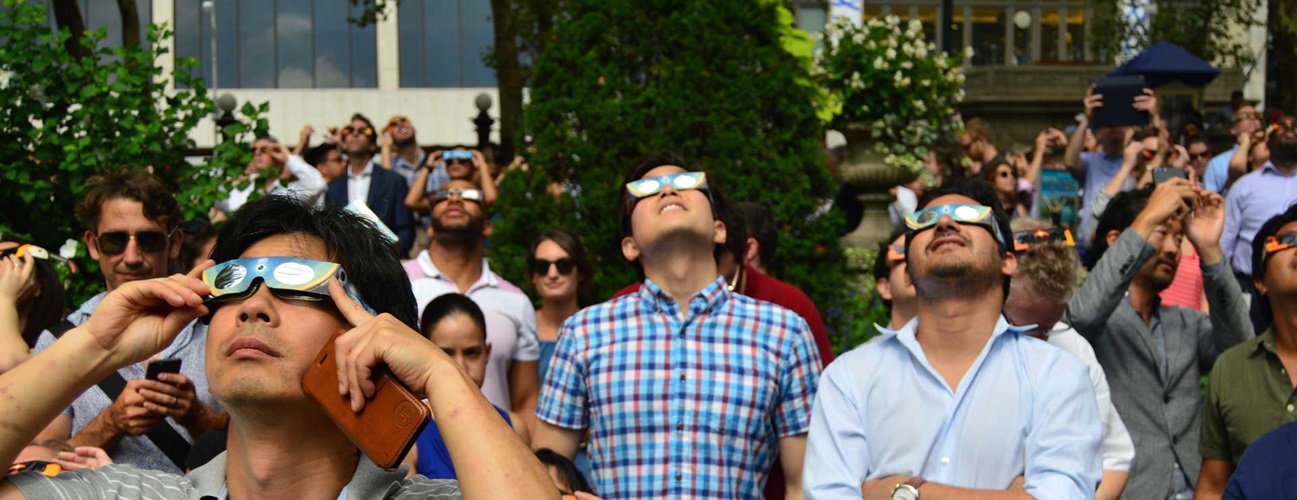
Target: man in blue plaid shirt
[[687, 389]]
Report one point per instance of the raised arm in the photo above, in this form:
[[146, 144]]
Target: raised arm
[[1229, 323], [416, 198], [131, 323], [1238, 162], [484, 174], [1072, 157], [17, 280], [490, 459]]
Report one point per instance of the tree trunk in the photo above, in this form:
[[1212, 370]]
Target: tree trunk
[[509, 76], [67, 14], [1283, 27], [130, 23]]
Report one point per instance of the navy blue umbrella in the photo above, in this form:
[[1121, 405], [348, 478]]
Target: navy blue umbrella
[[1166, 62]]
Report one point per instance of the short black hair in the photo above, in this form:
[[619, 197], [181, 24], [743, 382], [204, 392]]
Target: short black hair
[[566, 470], [316, 155], [642, 166], [198, 231], [373, 139], [760, 225], [448, 305], [1270, 228], [1118, 216], [981, 192], [43, 308], [350, 239]]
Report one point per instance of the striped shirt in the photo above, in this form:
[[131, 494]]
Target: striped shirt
[[682, 403]]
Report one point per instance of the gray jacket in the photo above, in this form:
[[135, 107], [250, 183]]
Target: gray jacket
[[1162, 414]]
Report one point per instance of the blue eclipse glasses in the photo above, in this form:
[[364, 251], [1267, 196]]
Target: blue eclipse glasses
[[289, 278], [979, 215]]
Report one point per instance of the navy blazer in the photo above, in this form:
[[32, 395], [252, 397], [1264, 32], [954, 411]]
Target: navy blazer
[[386, 198]]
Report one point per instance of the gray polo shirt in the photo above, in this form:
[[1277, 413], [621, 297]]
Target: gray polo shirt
[[189, 346], [126, 482]]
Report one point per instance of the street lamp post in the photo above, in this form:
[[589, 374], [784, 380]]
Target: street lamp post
[[226, 103], [483, 120]]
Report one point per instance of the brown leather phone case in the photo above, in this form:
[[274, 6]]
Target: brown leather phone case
[[390, 422]]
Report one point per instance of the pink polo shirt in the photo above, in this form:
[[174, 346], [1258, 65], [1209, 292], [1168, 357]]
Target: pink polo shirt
[[510, 319]]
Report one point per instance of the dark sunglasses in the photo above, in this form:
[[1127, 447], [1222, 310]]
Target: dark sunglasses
[[1200, 156], [114, 242], [366, 131], [565, 266]]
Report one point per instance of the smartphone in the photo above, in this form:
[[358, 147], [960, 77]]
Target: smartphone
[[391, 421], [160, 366], [1164, 174]]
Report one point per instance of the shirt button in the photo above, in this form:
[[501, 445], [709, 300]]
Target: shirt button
[[680, 426], [1290, 408], [679, 476], [682, 376], [945, 460]]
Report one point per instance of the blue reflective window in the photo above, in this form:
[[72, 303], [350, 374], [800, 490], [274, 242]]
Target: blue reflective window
[[278, 44], [444, 43]]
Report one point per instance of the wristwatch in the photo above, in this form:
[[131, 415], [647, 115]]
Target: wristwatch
[[908, 490]]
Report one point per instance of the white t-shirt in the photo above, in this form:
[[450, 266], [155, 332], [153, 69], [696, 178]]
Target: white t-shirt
[[510, 319], [1118, 448]]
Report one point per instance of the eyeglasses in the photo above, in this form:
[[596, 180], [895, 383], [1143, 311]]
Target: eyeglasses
[[964, 214], [290, 278], [457, 154], [896, 253], [37, 253], [396, 122], [469, 194], [1238, 117], [1200, 156], [1275, 244], [114, 242], [682, 181], [1023, 240], [565, 266], [263, 149], [349, 130], [1171, 155]]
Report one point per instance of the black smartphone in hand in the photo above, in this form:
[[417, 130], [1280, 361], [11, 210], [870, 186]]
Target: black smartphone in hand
[[160, 366]]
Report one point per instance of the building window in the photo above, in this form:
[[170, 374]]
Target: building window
[[97, 14], [278, 44], [444, 43], [1001, 32]]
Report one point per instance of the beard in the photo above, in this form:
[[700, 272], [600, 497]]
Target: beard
[[956, 279], [471, 229]]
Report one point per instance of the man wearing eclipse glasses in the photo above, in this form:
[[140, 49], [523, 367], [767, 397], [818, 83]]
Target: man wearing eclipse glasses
[[958, 402], [380, 189], [1251, 390], [687, 389], [455, 262], [289, 278], [132, 230]]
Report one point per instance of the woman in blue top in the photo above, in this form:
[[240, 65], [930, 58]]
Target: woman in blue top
[[560, 275], [455, 324]]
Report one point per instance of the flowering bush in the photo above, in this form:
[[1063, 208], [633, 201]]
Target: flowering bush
[[884, 77]]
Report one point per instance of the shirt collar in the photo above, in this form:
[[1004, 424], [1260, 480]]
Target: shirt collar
[[710, 298], [1266, 342], [368, 481], [910, 329], [430, 270], [368, 171], [1269, 167]]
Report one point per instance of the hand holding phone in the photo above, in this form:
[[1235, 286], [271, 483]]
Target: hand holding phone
[[386, 427], [160, 366], [1161, 175]]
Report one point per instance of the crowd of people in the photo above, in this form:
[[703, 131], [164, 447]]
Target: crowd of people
[[1038, 346]]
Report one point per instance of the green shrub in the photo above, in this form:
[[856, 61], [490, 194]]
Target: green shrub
[[709, 80], [66, 119]]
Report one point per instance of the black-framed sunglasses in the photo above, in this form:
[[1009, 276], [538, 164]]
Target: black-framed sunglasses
[[565, 266], [115, 242], [1200, 156]]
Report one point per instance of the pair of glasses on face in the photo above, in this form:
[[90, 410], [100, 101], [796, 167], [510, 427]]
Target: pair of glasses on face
[[474, 195], [682, 181], [565, 266], [396, 122], [964, 214], [1172, 155], [1200, 156], [365, 131], [1023, 240], [115, 242], [1238, 117], [1274, 244], [896, 253], [289, 278], [457, 154]]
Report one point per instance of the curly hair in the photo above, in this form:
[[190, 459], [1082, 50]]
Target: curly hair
[[159, 204], [1048, 271]]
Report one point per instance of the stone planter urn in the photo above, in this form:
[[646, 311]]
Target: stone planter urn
[[864, 169]]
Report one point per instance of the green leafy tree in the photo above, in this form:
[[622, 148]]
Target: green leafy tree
[[710, 80], [69, 117], [1207, 28]]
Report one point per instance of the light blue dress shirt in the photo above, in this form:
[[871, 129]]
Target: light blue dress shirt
[[1217, 172], [1023, 408], [1253, 200], [1097, 169]]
